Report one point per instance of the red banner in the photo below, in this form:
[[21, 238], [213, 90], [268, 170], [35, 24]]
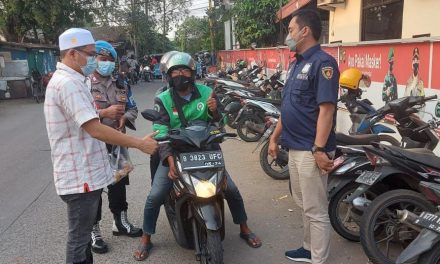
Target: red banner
[[376, 60], [406, 61], [435, 72]]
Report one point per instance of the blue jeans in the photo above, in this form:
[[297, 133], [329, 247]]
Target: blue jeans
[[161, 187]]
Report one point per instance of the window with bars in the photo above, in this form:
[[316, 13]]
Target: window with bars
[[382, 19]]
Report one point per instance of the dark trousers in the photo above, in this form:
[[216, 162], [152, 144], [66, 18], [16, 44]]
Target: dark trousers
[[81, 214], [117, 198]]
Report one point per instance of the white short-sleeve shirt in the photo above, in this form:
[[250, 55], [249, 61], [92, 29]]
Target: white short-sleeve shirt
[[80, 162]]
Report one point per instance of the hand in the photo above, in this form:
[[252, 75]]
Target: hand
[[323, 161], [114, 112], [122, 123], [212, 104], [172, 174], [273, 149], [148, 144]]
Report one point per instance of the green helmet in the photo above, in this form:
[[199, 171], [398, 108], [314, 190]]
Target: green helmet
[[179, 59]]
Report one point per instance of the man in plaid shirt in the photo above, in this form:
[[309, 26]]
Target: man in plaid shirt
[[81, 167]]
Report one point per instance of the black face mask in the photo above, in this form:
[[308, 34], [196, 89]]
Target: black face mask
[[180, 83]]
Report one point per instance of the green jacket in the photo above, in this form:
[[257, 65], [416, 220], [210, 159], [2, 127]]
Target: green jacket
[[194, 109]]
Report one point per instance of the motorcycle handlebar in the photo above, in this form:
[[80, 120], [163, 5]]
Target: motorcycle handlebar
[[431, 124], [430, 97]]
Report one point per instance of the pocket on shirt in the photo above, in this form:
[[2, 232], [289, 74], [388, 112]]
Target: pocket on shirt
[[302, 94]]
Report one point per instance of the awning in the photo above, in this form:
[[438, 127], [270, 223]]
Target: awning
[[289, 8]]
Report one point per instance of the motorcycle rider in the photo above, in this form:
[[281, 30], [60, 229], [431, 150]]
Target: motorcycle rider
[[196, 102], [116, 109]]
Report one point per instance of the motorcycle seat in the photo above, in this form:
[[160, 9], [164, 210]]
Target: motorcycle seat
[[424, 156], [343, 139], [261, 99]]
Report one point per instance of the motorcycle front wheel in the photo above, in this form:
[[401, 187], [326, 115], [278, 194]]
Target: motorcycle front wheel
[[211, 247], [386, 246], [247, 134], [345, 219]]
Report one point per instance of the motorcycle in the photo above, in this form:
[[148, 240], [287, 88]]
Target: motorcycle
[[359, 109], [231, 99], [345, 216], [147, 74], [195, 207], [275, 168], [250, 119], [401, 170], [426, 247]]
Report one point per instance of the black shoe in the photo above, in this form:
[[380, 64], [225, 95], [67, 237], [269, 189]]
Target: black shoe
[[98, 244], [122, 227]]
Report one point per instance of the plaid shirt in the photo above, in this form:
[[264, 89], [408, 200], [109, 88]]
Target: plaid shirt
[[80, 162]]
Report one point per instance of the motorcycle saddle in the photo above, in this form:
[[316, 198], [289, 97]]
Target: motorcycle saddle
[[343, 139], [420, 155], [271, 101]]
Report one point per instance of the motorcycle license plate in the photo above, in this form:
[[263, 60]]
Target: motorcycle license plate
[[429, 221], [368, 177], [202, 160]]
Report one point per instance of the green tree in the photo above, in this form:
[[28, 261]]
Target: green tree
[[193, 34], [23, 18], [255, 21]]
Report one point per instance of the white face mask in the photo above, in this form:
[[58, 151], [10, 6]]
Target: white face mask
[[292, 43]]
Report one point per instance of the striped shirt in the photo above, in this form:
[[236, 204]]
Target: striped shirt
[[80, 162]]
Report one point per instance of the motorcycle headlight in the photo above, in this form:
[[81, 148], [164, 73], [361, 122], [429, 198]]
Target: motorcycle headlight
[[204, 189]]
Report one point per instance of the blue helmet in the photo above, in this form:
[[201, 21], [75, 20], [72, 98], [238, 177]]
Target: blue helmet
[[105, 48]]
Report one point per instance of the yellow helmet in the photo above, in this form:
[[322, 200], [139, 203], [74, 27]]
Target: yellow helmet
[[350, 78]]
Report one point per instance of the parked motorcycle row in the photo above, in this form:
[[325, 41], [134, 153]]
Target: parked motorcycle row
[[380, 189], [383, 192]]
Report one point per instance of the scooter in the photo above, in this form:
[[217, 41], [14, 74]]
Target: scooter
[[345, 216], [195, 207], [382, 236], [250, 119]]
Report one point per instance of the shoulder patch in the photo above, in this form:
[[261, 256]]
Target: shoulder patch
[[327, 72]]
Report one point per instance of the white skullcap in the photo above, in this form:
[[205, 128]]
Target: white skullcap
[[75, 37]]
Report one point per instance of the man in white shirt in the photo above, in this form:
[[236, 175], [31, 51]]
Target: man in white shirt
[[81, 167]]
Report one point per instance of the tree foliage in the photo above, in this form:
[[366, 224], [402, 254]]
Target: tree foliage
[[193, 34], [254, 21], [21, 19], [45, 20]]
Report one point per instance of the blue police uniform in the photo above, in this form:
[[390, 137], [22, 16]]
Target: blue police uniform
[[312, 79]]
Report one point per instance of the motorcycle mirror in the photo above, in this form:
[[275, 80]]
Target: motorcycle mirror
[[365, 81], [150, 114]]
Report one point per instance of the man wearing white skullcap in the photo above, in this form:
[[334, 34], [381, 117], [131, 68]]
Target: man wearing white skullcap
[[81, 168]]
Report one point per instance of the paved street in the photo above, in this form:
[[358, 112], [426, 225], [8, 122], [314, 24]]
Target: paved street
[[33, 218]]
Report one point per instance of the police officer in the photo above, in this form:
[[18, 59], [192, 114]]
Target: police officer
[[116, 109], [307, 124]]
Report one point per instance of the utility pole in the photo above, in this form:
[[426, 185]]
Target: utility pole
[[164, 23], [211, 25], [281, 22]]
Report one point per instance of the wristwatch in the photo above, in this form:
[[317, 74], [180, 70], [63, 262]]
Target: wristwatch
[[317, 149]]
